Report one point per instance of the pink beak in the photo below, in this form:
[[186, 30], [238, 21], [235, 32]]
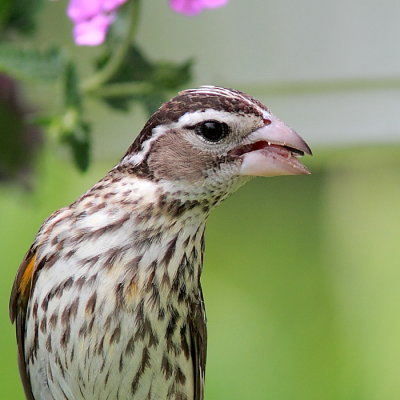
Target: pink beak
[[272, 150]]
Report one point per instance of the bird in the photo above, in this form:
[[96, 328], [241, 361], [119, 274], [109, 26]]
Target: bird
[[107, 302]]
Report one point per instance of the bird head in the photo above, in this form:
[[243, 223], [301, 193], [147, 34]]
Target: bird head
[[206, 142]]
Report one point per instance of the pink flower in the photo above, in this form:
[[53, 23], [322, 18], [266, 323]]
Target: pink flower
[[193, 7], [92, 19]]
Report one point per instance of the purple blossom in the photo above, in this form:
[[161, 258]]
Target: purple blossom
[[193, 7], [92, 19]]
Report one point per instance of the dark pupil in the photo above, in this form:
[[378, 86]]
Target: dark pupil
[[213, 131]]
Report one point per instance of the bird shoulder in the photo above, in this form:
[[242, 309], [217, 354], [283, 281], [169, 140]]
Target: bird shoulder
[[20, 295]]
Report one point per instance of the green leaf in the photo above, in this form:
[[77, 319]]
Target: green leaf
[[121, 103], [80, 147], [18, 15], [72, 93], [162, 77], [151, 101], [31, 64], [78, 140], [71, 127], [171, 76]]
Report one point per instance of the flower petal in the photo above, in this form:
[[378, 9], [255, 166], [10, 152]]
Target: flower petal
[[214, 3], [92, 19], [188, 7], [93, 31], [111, 5], [80, 10], [193, 7]]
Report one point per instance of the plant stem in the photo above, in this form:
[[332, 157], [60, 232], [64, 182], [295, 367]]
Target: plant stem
[[123, 89], [109, 69]]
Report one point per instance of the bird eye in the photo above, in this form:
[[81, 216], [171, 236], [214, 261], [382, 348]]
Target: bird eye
[[213, 131]]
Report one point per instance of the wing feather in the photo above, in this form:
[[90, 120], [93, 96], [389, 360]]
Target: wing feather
[[20, 295], [198, 333]]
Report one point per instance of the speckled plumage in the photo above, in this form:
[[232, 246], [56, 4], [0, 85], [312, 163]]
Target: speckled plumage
[[108, 302]]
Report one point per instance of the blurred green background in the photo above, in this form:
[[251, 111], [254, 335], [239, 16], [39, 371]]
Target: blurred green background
[[302, 274]]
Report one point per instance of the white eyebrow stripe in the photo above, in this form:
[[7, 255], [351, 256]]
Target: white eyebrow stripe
[[190, 118]]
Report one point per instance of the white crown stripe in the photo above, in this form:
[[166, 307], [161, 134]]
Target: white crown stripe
[[216, 90]]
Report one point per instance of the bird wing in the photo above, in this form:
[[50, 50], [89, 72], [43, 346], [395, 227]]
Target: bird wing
[[20, 295], [198, 334]]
